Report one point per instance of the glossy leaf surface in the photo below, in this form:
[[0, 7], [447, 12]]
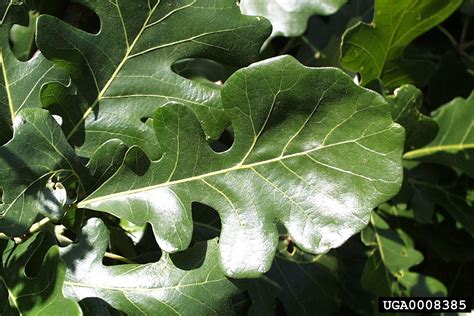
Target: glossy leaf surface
[[183, 284], [303, 155], [123, 73]]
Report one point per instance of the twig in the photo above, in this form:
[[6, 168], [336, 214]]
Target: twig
[[468, 45], [465, 27], [36, 227], [449, 36]]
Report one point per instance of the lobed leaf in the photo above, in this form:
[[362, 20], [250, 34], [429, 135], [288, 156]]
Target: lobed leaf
[[312, 151], [124, 72], [184, 284], [33, 275], [36, 168], [20, 82]]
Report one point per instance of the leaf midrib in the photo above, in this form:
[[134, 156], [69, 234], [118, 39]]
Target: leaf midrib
[[136, 289], [7, 88], [115, 73], [223, 171], [422, 152]]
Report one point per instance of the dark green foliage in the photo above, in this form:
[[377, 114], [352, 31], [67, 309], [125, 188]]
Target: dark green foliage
[[177, 157]]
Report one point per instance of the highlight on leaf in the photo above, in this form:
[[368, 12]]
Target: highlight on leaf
[[308, 160]]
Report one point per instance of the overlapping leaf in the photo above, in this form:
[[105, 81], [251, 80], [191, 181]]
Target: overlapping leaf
[[304, 155], [405, 104], [454, 144], [125, 71], [184, 284], [304, 284], [36, 168], [33, 275], [289, 18], [20, 82], [387, 271], [376, 50]]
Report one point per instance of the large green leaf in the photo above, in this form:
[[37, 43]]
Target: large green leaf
[[20, 82], [405, 104], [387, 271], [125, 71], [454, 145], [33, 275], [289, 18], [376, 50], [185, 284], [36, 168], [304, 155]]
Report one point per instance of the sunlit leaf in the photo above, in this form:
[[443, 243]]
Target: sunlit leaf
[[123, 73], [304, 155], [289, 18]]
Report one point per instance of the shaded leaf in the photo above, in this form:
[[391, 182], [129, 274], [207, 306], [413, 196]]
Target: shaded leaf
[[187, 283], [376, 50], [405, 104], [455, 204], [387, 271], [37, 167], [23, 38], [124, 72], [304, 155], [37, 293], [454, 143], [452, 79], [321, 42], [105, 161], [289, 18], [304, 284], [20, 82]]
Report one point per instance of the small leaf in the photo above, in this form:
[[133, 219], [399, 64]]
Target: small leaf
[[289, 18], [36, 166], [386, 272], [40, 293], [185, 284], [454, 144], [405, 104], [376, 50], [304, 155]]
